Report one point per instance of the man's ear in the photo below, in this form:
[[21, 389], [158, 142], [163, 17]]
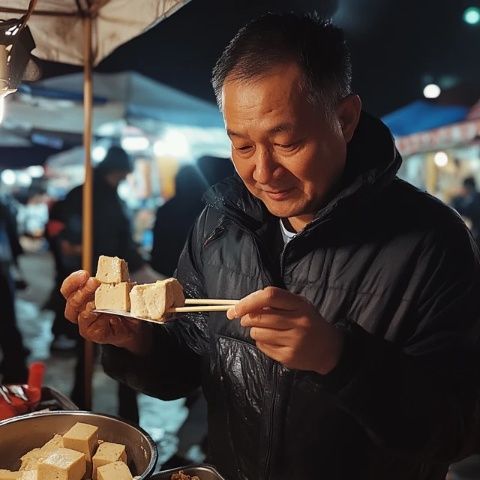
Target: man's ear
[[348, 114]]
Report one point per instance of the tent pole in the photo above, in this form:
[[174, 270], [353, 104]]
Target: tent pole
[[87, 229]]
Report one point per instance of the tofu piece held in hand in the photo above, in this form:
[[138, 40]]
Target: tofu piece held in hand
[[152, 300], [114, 471], [113, 297], [112, 270]]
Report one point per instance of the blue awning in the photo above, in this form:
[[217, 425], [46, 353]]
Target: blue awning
[[423, 115]]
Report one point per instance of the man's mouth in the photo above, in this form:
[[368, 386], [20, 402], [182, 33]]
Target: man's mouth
[[278, 194]]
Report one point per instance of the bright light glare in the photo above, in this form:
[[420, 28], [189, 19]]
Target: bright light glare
[[98, 153], [8, 177], [124, 191], [471, 15], [24, 179], [440, 159], [36, 171], [432, 91], [135, 144], [160, 148], [173, 143]]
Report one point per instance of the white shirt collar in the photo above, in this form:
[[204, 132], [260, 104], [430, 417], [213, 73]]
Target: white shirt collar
[[287, 235]]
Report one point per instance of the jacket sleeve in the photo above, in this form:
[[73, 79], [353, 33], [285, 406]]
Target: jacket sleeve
[[421, 398], [173, 367]]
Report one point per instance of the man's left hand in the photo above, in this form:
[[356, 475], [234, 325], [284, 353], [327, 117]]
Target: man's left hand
[[288, 329]]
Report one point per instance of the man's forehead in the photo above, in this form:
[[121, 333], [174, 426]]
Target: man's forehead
[[279, 80], [282, 127]]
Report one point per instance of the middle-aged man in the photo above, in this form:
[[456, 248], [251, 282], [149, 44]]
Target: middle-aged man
[[352, 352]]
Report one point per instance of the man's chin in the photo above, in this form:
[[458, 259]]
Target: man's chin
[[279, 210]]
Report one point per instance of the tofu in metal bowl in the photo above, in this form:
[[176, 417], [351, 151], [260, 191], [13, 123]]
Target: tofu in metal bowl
[[19, 435]]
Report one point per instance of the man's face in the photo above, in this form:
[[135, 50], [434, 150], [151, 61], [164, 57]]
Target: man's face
[[288, 154]]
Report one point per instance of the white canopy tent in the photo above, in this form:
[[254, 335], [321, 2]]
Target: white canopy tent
[[118, 99], [58, 25]]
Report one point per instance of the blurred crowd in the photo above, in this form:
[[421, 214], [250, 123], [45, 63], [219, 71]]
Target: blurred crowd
[[150, 238]]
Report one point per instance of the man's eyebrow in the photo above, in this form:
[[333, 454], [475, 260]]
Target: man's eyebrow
[[231, 133], [282, 127]]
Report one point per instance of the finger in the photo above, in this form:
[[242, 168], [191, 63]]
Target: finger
[[268, 318], [77, 301], [90, 307], [73, 282], [105, 328], [269, 297], [86, 319], [268, 336]]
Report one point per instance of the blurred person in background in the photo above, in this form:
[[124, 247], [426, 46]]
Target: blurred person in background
[[13, 366], [176, 217], [467, 204], [64, 337], [112, 236], [173, 223]]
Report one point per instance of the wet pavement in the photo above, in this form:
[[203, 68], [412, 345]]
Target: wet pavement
[[162, 420]]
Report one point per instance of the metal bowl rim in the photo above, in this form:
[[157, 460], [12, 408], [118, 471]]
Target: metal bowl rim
[[153, 446], [194, 466]]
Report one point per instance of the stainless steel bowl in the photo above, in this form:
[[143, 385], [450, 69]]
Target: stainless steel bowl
[[21, 434], [204, 472]]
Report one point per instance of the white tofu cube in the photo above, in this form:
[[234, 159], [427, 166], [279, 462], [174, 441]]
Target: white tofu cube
[[114, 471], [112, 270], [62, 464], [113, 297]]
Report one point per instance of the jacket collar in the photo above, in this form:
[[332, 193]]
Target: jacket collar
[[372, 164]]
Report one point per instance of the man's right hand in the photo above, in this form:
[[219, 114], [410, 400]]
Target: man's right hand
[[78, 289]]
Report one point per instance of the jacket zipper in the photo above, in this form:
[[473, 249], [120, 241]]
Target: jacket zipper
[[271, 416], [215, 234], [271, 419], [274, 400]]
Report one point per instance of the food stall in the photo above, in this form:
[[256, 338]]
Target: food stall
[[439, 144], [79, 32], [438, 160]]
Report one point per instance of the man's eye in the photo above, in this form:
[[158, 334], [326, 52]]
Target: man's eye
[[287, 146], [243, 148]]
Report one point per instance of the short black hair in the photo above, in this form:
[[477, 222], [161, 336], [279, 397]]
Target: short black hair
[[116, 160], [316, 45]]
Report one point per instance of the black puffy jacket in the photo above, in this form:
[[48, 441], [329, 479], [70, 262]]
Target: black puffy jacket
[[391, 266]]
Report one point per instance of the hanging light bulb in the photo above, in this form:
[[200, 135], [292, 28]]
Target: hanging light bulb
[[16, 64]]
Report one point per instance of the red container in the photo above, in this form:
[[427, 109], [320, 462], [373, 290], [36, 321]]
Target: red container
[[19, 406]]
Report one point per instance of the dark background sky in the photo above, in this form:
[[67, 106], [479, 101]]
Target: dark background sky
[[397, 46]]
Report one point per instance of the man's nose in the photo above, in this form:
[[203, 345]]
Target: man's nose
[[265, 166]]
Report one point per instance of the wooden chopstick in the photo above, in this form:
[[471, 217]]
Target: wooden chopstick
[[200, 308], [209, 301]]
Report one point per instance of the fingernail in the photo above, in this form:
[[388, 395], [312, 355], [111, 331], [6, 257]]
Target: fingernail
[[231, 313]]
